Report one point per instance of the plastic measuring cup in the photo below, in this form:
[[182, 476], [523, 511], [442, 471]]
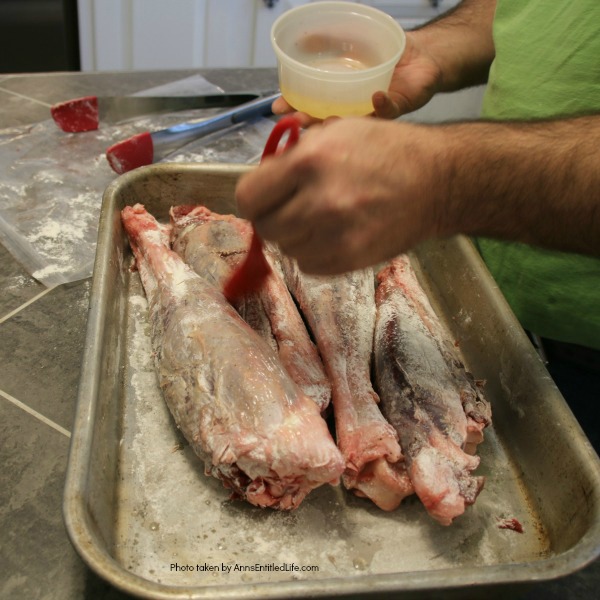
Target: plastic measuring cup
[[332, 56]]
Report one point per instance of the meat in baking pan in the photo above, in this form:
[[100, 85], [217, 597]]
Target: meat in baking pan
[[214, 246], [234, 402], [248, 384], [428, 396]]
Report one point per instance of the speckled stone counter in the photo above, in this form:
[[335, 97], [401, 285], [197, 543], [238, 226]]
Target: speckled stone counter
[[41, 339]]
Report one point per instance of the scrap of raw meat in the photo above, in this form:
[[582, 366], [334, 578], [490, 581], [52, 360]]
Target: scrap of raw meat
[[227, 391], [214, 245], [341, 314], [427, 394]]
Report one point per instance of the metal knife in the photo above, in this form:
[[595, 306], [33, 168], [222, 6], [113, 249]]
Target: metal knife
[[86, 113]]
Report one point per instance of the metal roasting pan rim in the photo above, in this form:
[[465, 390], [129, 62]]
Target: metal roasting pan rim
[[91, 547]]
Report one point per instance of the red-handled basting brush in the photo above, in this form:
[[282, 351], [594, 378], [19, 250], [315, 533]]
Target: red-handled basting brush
[[251, 274], [142, 149]]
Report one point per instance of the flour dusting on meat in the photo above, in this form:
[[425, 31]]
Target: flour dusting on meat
[[228, 393], [341, 313], [214, 246], [427, 395]]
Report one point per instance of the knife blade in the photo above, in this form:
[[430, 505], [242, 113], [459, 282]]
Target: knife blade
[[87, 112]]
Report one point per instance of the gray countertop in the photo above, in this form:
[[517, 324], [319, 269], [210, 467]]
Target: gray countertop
[[41, 340]]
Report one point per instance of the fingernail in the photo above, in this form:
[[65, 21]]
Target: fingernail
[[378, 100]]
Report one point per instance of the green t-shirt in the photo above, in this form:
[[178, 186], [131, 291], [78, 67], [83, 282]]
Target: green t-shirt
[[547, 65]]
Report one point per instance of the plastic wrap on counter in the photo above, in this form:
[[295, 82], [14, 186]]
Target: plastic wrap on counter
[[52, 182]]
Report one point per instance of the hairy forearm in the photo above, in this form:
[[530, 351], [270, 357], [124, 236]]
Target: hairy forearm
[[460, 41], [536, 182], [356, 192]]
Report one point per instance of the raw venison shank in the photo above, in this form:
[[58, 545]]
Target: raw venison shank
[[226, 389]]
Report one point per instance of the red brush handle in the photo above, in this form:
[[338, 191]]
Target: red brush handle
[[251, 274], [287, 124], [79, 114]]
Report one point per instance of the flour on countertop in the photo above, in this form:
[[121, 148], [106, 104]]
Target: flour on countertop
[[52, 182]]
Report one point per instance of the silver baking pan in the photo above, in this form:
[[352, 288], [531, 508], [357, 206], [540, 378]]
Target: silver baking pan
[[142, 515]]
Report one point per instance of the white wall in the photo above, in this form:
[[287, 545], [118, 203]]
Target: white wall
[[179, 34]]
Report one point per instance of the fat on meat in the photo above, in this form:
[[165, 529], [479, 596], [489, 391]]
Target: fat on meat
[[426, 393], [340, 311], [214, 245], [226, 389]]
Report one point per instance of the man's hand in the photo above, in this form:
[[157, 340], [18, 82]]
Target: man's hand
[[415, 80], [351, 193], [452, 52], [354, 192]]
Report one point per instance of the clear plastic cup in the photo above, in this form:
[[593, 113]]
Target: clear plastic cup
[[332, 56]]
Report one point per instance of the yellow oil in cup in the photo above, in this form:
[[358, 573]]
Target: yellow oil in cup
[[332, 57]]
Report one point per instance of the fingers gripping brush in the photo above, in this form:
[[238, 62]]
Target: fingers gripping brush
[[251, 274]]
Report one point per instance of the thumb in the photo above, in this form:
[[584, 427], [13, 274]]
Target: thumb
[[386, 108]]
